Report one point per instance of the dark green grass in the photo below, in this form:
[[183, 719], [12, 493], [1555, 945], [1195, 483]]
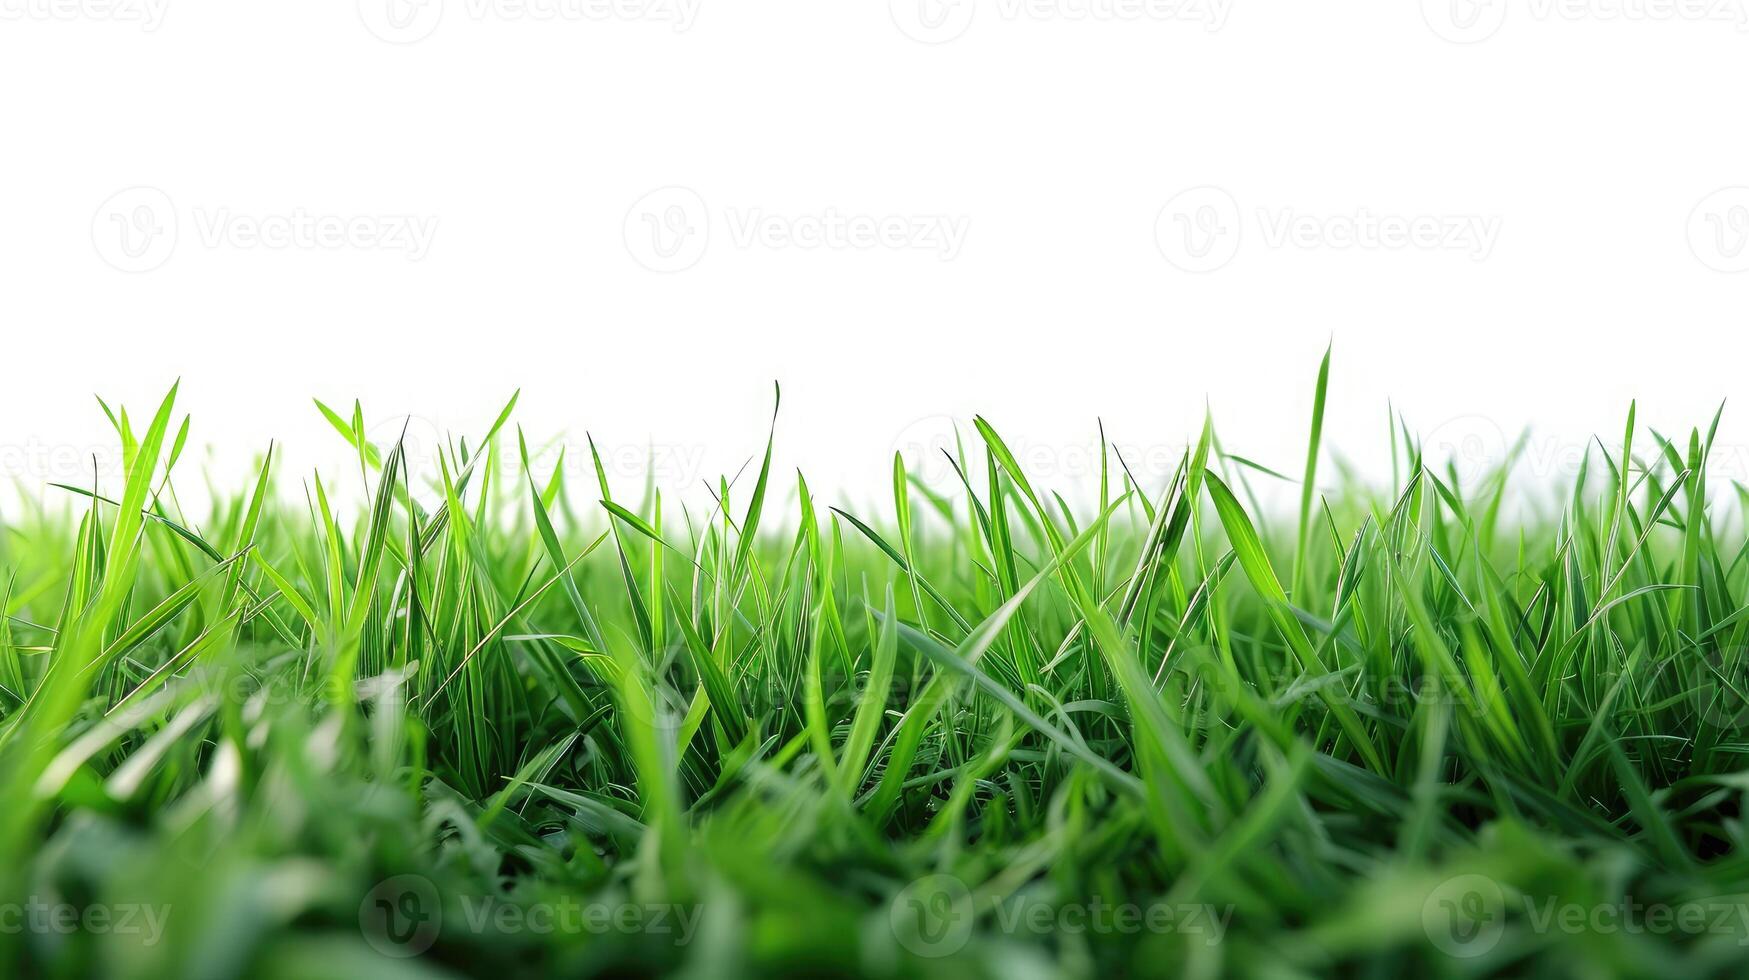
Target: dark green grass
[[524, 728]]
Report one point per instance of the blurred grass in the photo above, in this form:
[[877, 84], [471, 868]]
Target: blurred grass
[[495, 724]]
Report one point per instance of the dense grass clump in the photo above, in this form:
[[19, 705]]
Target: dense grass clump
[[498, 725]]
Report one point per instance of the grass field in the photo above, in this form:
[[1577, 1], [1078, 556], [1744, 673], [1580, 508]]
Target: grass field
[[501, 724]]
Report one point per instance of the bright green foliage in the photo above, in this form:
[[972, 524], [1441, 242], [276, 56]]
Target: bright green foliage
[[526, 728]]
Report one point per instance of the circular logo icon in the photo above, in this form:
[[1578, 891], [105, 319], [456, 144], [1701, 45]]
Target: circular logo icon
[[932, 916], [930, 445], [663, 707], [1199, 229], [932, 21], [135, 230], [1464, 21], [419, 438], [1722, 705], [401, 21], [1718, 230], [668, 229], [1465, 916], [402, 916], [1471, 446]]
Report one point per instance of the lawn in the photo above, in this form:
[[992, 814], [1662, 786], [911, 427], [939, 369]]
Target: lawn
[[501, 721]]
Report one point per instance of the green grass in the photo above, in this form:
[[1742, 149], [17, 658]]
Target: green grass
[[525, 727]]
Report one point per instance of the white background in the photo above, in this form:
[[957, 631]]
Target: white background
[[1059, 137]]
